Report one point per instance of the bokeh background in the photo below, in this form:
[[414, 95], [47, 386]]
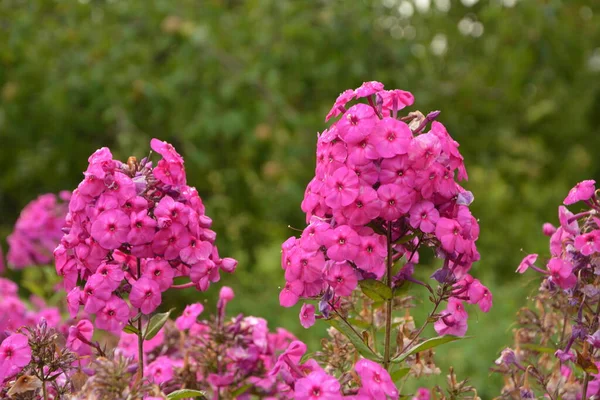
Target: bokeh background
[[242, 87]]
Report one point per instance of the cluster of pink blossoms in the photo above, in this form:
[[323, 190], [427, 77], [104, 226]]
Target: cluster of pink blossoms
[[38, 231], [378, 174], [131, 230]]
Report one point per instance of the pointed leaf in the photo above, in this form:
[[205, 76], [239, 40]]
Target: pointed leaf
[[131, 329], [156, 323], [240, 391], [186, 394], [375, 289], [356, 340], [430, 344], [399, 374]]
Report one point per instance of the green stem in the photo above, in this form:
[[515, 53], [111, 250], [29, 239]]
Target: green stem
[[140, 375], [44, 392], [388, 308]]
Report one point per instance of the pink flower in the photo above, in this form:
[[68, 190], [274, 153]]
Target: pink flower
[[161, 370], [588, 243], [375, 380], [15, 354], [342, 188], [397, 170], [316, 386], [161, 272], [84, 329], [195, 251], [305, 266], [479, 294], [142, 228], [424, 216], [395, 100], [424, 150], [169, 209], [166, 150], [114, 315], [453, 320], [372, 253], [342, 278], [365, 207], [307, 315], [422, 394], [291, 293], [548, 229], [391, 137], [170, 173], [110, 229], [145, 295], [112, 273], [395, 201], [449, 232], [527, 262], [368, 88], [96, 292], [170, 241], [342, 243], [581, 192], [340, 103], [189, 316], [357, 123], [565, 216], [561, 272]]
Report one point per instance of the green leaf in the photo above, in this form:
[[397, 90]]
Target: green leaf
[[537, 347], [356, 340], [399, 374], [402, 289], [131, 329], [186, 394], [405, 239], [430, 344], [359, 322], [240, 391], [375, 290], [156, 322]]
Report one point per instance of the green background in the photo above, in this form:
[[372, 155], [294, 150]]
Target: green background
[[241, 88]]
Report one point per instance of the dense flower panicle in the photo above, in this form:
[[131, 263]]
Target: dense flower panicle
[[37, 231], [376, 171], [133, 228]]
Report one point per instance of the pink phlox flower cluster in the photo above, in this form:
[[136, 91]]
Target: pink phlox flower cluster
[[126, 218], [246, 347], [308, 381], [37, 231], [376, 172]]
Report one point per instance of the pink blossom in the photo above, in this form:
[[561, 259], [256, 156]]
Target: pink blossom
[[372, 253], [424, 150], [581, 192], [375, 380], [397, 170], [449, 232], [84, 329], [111, 228], [340, 103], [342, 243], [395, 201], [453, 320], [424, 216], [395, 100], [121, 186], [316, 386], [588, 243], [142, 228], [342, 278], [422, 394], [561, 273], [170, 173], [305, 266], [342, 188], [189, 316], [391, 137], [307, 315], [565, 216], [170, 241], [161, 272], [161, 370], [145, 295], [15, 354], [368, 88], [114, 315], [95, 293], [548, 229], [527, 262], [112, 273], [166, 150], [356, 123], [291, 293], [195, 251], [167, 208]]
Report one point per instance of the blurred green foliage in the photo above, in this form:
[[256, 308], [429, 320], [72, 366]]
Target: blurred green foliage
[[241, 88]]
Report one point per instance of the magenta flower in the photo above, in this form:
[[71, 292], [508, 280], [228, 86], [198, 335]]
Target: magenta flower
[[449, 232], [356, 123], [161, 370], [343, 243], [561, 273], [588, 243], [397, 170], [424, 150], [95, 293], [305, 266], [527, 262], [170, 240], [395, 201], [342, 278], [371, 255], [111, 228], [548, 229], [395, 100], [15, 354], [453, 320], [195, 251], [114, 315], [424, 216], [112, 273], [80, 335], [316, 386], [375, 380], [340, 103], [342, 188], [307, 315], [161, 272], [581, 192], [291, 293], [422, 394], [189, 316], [368, 88], [143, 228], [145, 295], [391, 137], [364, 209]]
